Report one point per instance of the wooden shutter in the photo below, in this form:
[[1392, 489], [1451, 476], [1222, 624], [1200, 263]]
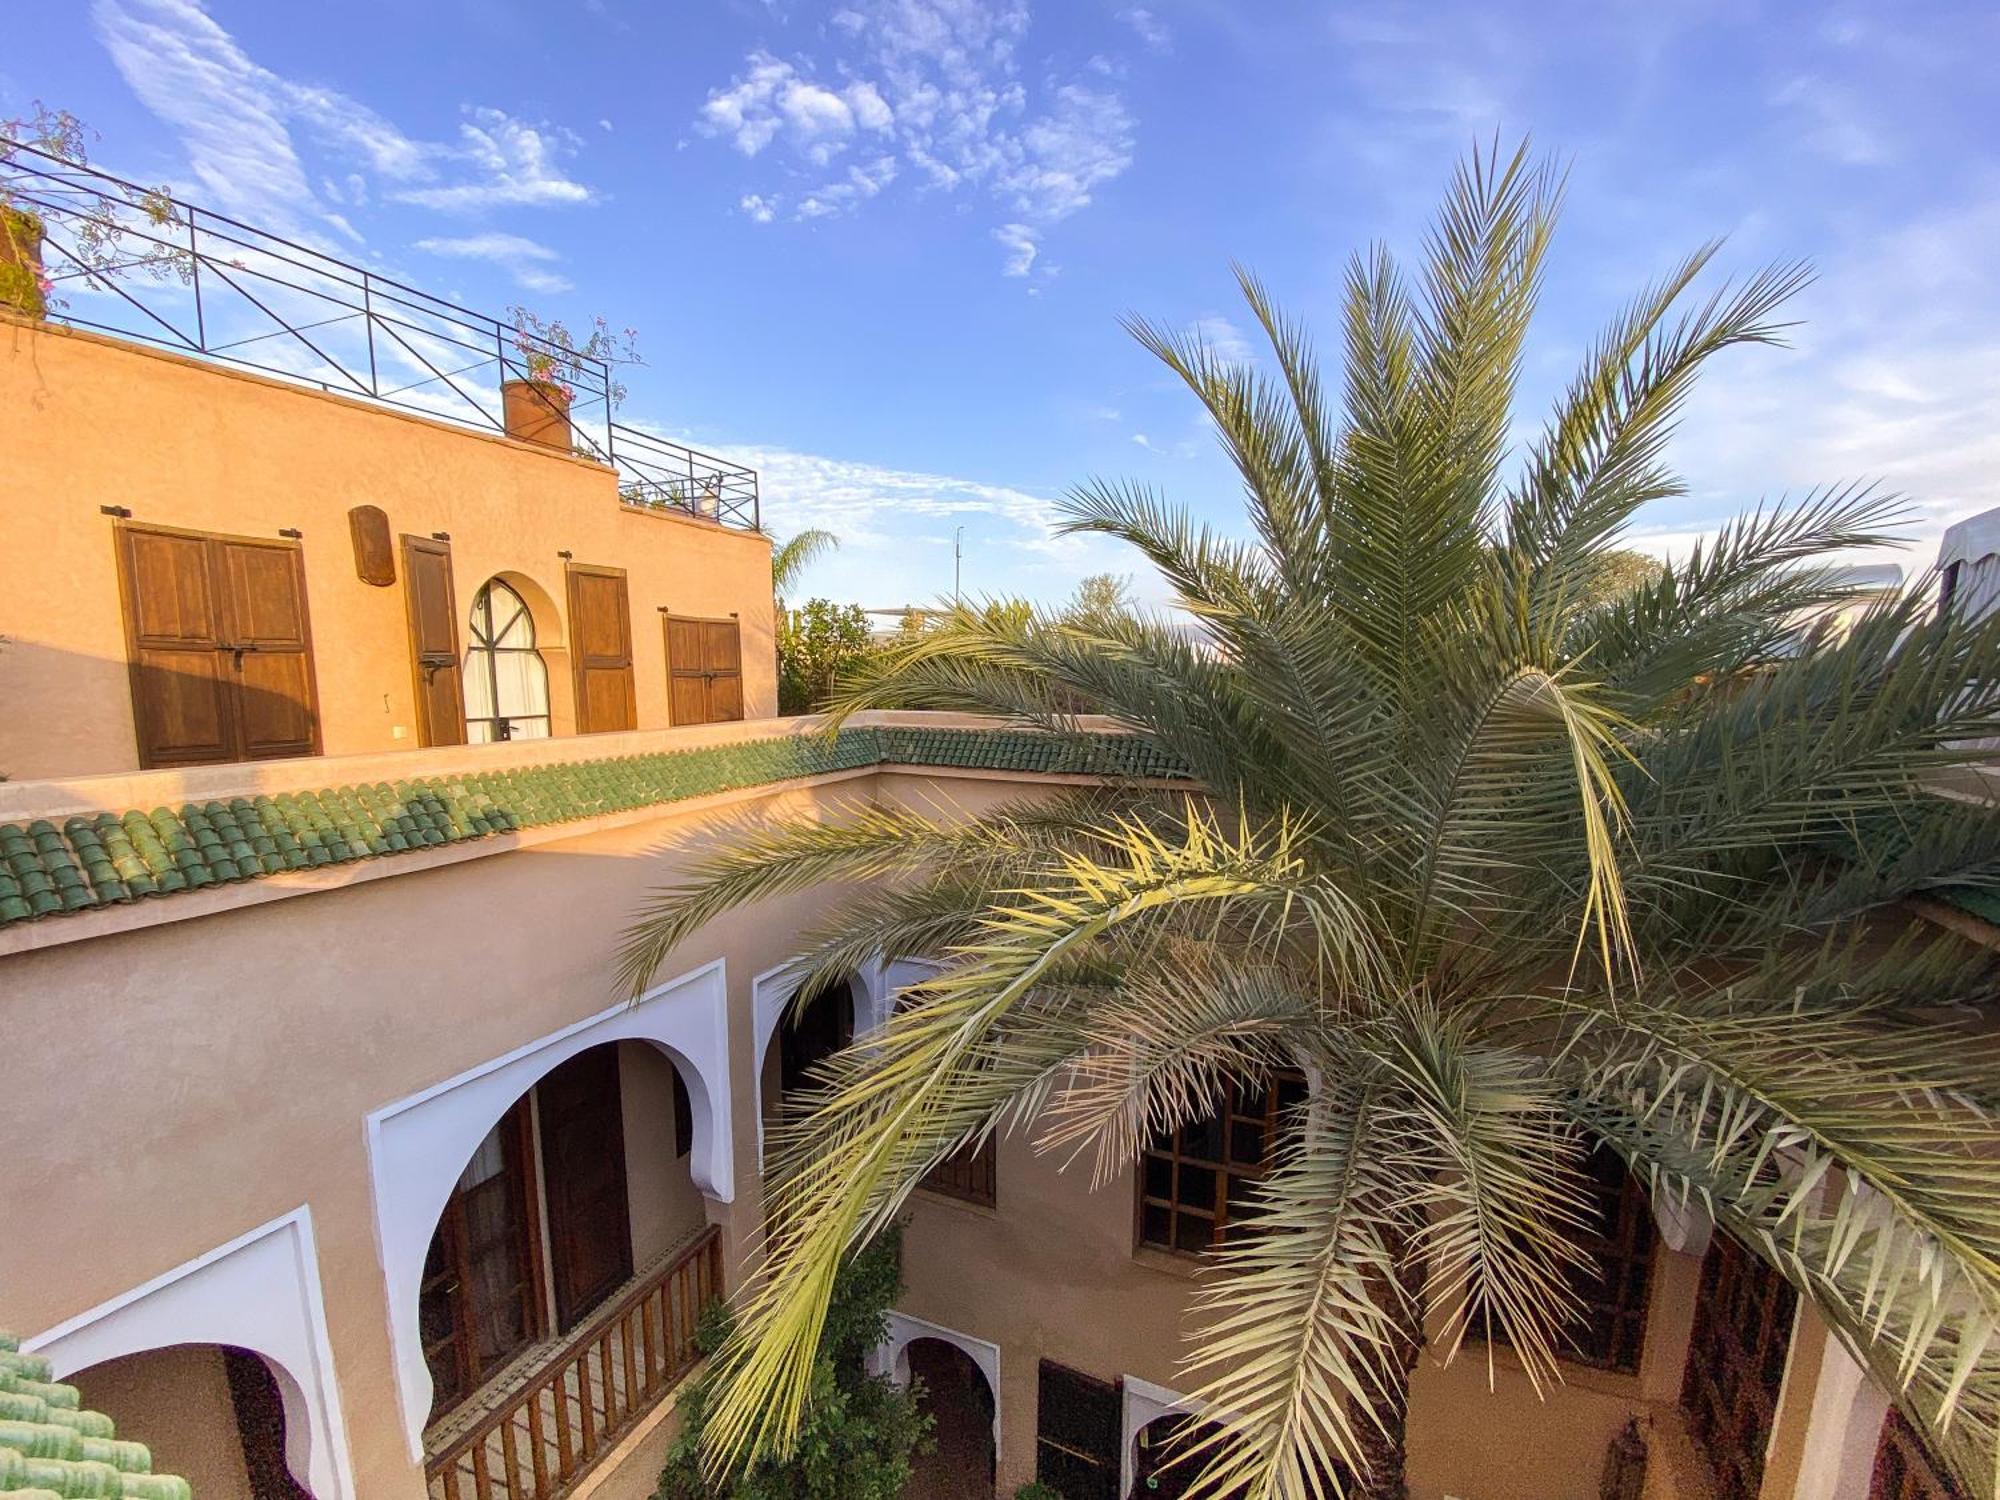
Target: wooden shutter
[[432, 611], [600, 632], [583, 1165], [220, 648], [704, 670], [1077, 1425], [173, 633], [264, 612]]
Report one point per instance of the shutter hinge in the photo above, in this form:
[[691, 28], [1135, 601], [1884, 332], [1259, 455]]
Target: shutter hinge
[[121, 512]]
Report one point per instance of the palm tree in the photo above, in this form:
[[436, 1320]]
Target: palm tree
[[1505, 872], [793, 556]]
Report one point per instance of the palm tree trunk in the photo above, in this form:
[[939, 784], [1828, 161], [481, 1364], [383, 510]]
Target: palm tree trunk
[[1383, 1442]]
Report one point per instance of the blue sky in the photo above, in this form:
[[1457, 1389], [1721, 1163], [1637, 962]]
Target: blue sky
[[879, 247]]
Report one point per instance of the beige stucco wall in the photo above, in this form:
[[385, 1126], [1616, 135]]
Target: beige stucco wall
[[87, 421], [193, 1079], [666, 1206], [176, 1402]]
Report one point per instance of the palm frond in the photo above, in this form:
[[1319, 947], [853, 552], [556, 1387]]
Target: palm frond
[[1293, 1337]]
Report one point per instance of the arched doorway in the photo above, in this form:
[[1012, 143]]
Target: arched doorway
[[956, 1394], [506, 680], [212, 1413], [581, 1185]]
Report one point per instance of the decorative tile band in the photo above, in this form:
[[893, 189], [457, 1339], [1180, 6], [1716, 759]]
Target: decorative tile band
[[103, 858]]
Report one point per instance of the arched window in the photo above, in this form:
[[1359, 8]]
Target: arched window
[[506, 680]]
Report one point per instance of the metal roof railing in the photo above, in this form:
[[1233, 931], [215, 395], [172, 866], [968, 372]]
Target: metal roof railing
[[142, 264]]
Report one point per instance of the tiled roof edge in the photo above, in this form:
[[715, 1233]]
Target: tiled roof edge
[[101, 859], [52, 1445]]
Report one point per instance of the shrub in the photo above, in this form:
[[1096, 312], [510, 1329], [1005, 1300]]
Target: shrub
[[860, 1430]]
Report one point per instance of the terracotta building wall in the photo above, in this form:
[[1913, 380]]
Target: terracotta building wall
[[87, 421]]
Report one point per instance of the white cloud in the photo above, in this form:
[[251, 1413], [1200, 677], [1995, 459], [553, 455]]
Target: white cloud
[[757, 208], [517, 166], [605, 126], [870, 109], [1833, 122], [525, 259], [1894, 378], [1019, 241], [1084, 142], [940, 82], [889, 520], [846, 194], [236, 120], [1225, 338], [1150, 28]]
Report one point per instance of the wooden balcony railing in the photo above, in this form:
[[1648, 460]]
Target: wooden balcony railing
[[563, 1421]]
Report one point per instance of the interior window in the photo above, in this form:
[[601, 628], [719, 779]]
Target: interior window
[[506, 680]]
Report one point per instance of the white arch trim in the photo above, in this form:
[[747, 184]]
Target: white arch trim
[[1843, 1429], [772, 990], [418, 1146], [1144, 1404], [891, 1356], [259, 1292]]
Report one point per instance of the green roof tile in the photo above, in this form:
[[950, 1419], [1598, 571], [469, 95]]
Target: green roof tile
[[92, 861], [52, 1446]]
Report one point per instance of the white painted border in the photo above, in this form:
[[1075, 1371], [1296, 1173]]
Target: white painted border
[[1843, 1429], [418, 1146], [1145, 1403], [260, 1292], [770, 992], [891, 1357]]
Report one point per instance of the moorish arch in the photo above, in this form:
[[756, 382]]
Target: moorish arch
[[259, 1293], [418, 1147]]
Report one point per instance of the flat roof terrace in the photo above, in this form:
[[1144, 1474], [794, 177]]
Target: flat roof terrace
[[142, 264]]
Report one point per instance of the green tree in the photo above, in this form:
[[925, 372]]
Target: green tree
[[818, 643], [1617, 571], [1100, 596], [860, 1430], [1491, 864]]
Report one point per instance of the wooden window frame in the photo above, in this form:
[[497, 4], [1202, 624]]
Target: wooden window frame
[[969, 1175], [518, 1145], [1737, 1354], [487, 651], [1224, 1169], [219, 596]]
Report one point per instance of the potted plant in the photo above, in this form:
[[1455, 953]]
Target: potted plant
[[535, 404], [108, 227]]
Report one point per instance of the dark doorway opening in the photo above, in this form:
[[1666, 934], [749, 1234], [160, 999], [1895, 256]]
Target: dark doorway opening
[[962, 1461]]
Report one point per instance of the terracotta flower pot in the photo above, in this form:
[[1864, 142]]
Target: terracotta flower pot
[[536, 411], [21, 276]]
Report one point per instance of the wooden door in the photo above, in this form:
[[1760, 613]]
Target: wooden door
[[220, 646], [431, 608], [480, 1300], [704, 670], [583, 1166], [600, 633]]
